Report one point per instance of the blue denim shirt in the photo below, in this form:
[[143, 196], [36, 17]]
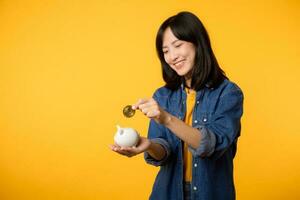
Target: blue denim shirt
[[217, 115]]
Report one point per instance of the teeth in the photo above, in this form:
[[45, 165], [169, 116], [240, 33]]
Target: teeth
[[178, 64]]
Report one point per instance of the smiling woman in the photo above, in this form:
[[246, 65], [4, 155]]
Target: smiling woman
[[195, 117]]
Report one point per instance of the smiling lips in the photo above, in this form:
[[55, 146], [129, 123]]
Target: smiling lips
[[179, 64]]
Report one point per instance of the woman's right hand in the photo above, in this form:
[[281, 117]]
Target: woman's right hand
[[142, 146]]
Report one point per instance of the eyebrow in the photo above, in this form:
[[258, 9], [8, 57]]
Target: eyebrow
[[171, 43]]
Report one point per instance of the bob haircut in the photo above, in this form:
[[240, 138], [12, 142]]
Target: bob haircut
[[206, 71]]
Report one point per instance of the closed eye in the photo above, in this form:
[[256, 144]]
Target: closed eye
[[178, 45]]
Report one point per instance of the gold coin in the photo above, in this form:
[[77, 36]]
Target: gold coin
[[128, 111]]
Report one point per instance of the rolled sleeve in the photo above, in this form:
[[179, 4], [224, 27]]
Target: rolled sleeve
[[207, 143], [153, 161], [224, 127]]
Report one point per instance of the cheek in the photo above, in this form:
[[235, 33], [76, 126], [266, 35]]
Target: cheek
[[167, 59], [192, 56]]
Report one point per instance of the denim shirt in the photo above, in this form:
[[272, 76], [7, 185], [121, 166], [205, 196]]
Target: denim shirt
[[217, 115]]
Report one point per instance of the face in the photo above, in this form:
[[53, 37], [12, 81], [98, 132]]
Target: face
[[179, 54]]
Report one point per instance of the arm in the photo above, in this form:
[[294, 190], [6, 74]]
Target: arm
[[156, 151], [185, 132]]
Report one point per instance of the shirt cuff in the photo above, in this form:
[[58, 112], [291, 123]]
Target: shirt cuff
[[161, 162], [207, 144]]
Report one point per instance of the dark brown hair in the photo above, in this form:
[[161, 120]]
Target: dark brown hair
[[206, 71]]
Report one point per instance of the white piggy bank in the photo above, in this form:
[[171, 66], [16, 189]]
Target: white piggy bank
[[126, 137]]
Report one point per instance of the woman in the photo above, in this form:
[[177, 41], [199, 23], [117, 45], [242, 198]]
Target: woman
[[195, 117]]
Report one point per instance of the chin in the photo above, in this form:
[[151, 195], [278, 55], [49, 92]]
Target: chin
[[181, 73]]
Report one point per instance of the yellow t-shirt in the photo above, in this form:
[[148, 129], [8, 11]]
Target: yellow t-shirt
[[187, 155]]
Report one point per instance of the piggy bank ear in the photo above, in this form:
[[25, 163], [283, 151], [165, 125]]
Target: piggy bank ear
[[120, 130], [118, 127]]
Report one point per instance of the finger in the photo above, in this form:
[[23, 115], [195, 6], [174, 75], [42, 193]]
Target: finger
[[125, 148], [147, 104], [131, 150], [128, 149], [139, 102], [151, 107], [114, 147], [111, 146], [153, 113], [125, 153], [145, 110]]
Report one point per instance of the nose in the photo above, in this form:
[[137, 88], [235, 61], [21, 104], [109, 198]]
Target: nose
[[173, 56]]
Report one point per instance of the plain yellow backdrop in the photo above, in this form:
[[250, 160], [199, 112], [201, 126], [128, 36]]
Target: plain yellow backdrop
[[67, 68]]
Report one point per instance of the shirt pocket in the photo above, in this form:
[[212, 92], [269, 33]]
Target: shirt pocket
[[202, 118]]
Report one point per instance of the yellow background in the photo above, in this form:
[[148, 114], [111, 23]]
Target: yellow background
[[67, 68]]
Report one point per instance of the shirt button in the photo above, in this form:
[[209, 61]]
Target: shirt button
[[196, 121], [195, 165], [197, 102], [194, 188], [204, 119]]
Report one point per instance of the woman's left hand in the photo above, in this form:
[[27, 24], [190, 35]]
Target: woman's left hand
[[152, 110], [143, 145]]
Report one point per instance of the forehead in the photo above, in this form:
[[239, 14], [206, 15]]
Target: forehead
[[168, 37]]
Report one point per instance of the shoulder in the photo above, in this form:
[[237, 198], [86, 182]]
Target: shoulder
[[228, 87], [163, 92]]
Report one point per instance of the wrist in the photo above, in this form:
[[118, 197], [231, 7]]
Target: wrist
[[167, 119], [150, 145]]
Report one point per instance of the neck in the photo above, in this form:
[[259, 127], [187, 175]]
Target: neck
[[188, 82]]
